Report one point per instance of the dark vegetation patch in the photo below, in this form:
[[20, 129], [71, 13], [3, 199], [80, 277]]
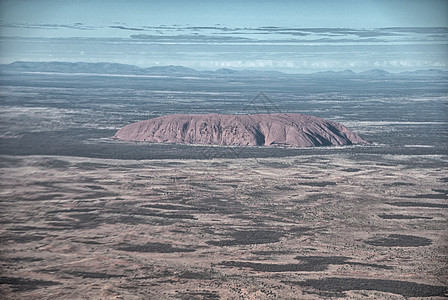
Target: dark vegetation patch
[[250, 237], [318, 183], [153, 248], [404, 288], [169, 206], [314, 197], [113, 215], [178, 216], [48, 184], [45, 197], [7, 162], [136, 216], [177, 177], [169, 163], [93, 180], [397, 183], [93, 275], [91, 166], [310, 264], [418, 204], [402, 217], [297, 229], [257, 194], [82, 221], [134, 166], [262, 267], [152, 213], [96, 195], [203, 185], [386, 164], [244, 217], [441, 191], [19, 284], [311, 160], [20, 259], [218, 205], [272, 252], [71, 210], [325, 261], [399, 240], [56, 219], [18, 229], [428, 196], [304, 177], [267, 218], [130, 220], [8, 220], [89, 242], [284, 188], [179, 197], [257, 219], [54, 164], [275, 165], [94, 187], [85, 218], [351, 170], [199, 295], [324, 294], [20, 238], [56, 226]]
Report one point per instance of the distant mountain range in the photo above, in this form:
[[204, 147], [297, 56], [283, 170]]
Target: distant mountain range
[[123, 69], [381, 73]]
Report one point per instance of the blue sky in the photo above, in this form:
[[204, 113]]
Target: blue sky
[[292, 36]]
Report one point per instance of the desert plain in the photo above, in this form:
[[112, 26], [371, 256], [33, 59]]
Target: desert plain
[[84, 216], [304, 227]]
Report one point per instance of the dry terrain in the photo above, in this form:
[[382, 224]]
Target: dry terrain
[[304, 227]]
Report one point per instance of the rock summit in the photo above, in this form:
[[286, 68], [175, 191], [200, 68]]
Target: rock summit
[[273, 130]]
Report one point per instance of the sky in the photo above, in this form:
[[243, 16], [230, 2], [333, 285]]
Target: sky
[[99, 15], [292, 36]]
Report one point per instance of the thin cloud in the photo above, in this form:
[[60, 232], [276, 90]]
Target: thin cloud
[[224, 39], [405, 33], [421, 30], [263, 34], [126, 28], [188, 38], [77, 26]]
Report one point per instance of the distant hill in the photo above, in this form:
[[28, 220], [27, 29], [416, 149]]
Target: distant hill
[[374, 72], [430, 72], [169, 70], [123, 69], [94, 68], [335, 73], [66, 67], [115, 68]]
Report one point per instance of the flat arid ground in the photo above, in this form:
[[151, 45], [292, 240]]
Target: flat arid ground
[[315, 226], [84, 216]]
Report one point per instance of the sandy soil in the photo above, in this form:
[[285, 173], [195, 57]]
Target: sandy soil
[[305, 227]]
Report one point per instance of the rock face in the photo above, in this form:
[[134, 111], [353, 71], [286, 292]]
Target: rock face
[[281, 130]]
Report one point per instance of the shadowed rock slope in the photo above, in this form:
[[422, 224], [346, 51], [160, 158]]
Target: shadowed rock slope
[[281, 130]]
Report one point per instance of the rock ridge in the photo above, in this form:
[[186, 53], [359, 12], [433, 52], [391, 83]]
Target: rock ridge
[[273, 130]]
